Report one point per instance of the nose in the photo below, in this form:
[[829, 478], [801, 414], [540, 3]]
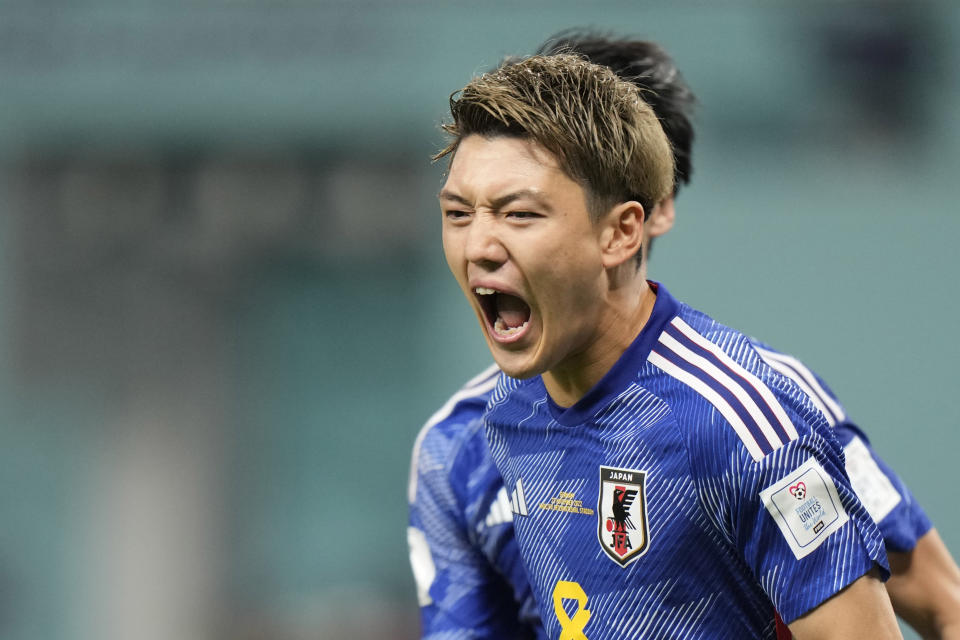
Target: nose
[[484, 246]]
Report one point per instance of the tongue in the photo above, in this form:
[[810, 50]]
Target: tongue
[[512, 310]]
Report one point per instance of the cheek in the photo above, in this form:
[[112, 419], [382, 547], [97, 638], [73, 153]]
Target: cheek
[[575, 278], [568, 245], [568, 283], [579, 264]]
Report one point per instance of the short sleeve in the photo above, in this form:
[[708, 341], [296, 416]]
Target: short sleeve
[[791, 515], [900, 518]]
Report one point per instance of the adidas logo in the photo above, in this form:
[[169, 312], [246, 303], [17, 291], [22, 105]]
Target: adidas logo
[[518, 503]]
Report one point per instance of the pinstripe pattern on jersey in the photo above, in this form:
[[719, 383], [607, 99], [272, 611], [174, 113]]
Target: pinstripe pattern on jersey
[[806, 380], [771, 408], [743, 399], [432, 457], [478, 386], [622, 432], [659, 616], [717, 564], [714, 491], [463, 512]]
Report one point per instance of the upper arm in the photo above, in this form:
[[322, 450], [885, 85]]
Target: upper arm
[[925, 582], [771, 477], [791, 514], [860, 611], [924, 587]]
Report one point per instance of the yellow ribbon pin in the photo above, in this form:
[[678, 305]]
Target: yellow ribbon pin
[[571, 629]]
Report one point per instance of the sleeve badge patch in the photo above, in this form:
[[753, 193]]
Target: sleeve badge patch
[[871, 485], [622, 514], [806, 507]]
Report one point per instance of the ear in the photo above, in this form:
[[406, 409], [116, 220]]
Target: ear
[[660, 219], [622, 233]]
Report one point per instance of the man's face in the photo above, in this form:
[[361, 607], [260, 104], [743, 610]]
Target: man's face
[[520, 241]]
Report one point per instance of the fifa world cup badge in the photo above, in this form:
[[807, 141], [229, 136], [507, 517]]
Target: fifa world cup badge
[[622, 514]]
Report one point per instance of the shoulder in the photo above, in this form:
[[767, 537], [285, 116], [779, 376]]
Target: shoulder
[[723, 393], [444, 435], [816, 389]]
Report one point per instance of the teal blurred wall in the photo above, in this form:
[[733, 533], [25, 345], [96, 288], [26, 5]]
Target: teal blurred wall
[[224, 312]]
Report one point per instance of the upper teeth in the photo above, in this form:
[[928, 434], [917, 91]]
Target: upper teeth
[[483, 291]]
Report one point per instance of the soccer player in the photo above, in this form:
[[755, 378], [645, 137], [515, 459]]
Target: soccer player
[[668, 480], [472, 584]]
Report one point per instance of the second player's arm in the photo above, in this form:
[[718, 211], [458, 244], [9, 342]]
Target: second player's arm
[[925, 588], [861, 611], [924, 584]]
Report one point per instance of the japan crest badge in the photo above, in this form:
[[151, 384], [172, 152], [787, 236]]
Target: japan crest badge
[[622, 514]]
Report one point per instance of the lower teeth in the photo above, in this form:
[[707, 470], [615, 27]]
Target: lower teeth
[[503, 330]]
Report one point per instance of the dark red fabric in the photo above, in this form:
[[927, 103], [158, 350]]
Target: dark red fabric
[[783, 632]]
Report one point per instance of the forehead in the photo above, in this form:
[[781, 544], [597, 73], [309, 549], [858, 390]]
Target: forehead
[[492, 164]]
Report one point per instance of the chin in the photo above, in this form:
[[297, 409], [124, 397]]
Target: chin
[[519, 368]]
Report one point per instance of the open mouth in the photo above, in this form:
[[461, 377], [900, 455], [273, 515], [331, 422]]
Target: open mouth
[[507, 315]]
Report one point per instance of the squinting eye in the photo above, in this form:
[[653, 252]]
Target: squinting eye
[[455, 215], [523, 215]]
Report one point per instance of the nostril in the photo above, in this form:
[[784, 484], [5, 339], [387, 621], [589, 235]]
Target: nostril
[[486, 264]]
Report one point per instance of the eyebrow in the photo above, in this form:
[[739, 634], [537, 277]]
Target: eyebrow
[[502, 201]]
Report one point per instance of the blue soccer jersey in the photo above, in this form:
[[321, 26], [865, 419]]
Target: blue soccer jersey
[[461, 531], [901, 519], [470, 579], [693, 492]]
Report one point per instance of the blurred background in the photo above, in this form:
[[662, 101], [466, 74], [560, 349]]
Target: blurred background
[[224, 310]]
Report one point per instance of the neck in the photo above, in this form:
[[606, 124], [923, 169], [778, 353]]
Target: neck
[[627, 312]]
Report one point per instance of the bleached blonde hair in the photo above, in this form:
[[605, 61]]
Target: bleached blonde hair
[[602, 132]]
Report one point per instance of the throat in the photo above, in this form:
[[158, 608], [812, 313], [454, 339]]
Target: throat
[[571, 379], [567, 386]]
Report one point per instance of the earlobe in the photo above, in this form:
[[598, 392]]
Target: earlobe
[[622, 236], [661, 218]]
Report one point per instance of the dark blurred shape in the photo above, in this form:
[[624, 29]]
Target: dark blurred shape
[[650, 67], [883, 61]]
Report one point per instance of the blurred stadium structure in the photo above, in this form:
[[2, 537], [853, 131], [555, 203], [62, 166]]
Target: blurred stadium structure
[[224, 313]]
